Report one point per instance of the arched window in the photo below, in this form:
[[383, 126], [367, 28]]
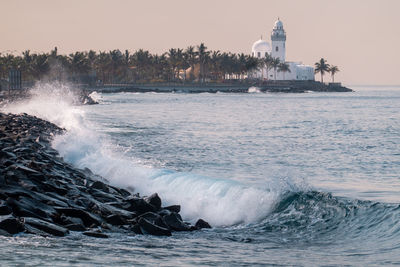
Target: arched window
[[252, 54], [266, 54], [276, 49], [258, 54]]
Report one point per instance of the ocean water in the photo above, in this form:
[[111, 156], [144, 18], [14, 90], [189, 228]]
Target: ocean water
[[284, 179]]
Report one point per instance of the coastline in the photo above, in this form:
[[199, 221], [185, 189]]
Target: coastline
[[43, 195], [242, 87]]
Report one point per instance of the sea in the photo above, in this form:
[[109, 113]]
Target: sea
[[310, 179]]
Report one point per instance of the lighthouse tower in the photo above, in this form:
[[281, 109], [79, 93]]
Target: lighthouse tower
[[278, 39]]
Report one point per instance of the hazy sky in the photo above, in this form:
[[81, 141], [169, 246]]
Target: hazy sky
[[361, 37]]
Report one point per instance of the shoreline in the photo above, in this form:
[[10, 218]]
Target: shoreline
[[270, 87], [43, 195]]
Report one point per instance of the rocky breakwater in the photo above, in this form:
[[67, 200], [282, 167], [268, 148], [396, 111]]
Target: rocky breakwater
[[41, 194]]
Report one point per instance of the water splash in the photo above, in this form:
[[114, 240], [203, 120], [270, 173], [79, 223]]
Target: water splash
[[220, 201]]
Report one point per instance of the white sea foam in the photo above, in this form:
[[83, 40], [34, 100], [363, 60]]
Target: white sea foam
[[221, 202]]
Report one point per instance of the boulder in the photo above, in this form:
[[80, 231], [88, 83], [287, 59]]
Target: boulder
[[115, 219], [75, 227], [88, 219], [202, 224], [154, 200], [4, 209], [147, 227], [173, 208], [46, 226], [11, 224], [138, 205], [174, 222], [100, 186]]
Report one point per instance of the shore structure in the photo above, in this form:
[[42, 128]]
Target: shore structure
[[262, 49], [43, 195]]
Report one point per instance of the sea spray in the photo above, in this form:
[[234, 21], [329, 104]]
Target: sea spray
[[222, 202]]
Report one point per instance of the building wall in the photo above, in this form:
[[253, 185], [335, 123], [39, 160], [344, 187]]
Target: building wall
[[278, 50], [298, 71]]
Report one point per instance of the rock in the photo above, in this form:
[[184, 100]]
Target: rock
[[87, 218], [11, 224], [46, 226], [163, 212], [173, 208], [95, 234], [28, 207], [65, 220], [174, 222], [75, 227], [154, 200], [154, 218], [148, 228], [202, 224], [138, 205], [55, 197], [4, 209], [102, 196], [136, 229], [100, 186], [115, 219], [29, 229]]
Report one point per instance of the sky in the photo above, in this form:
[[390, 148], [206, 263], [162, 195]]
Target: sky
[[361, 37]]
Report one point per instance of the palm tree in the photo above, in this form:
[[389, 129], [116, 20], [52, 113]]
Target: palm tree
[[275, 64], [191, 59], [202, 54], [333, 70], [322, 66], [268, 63], [261, 66], [284, 67]]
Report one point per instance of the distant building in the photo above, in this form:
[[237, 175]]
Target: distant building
[[277, 49]]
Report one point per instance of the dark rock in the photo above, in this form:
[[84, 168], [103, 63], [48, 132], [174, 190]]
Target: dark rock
[[4, 209], [87, 218], [136, 229], [202, 224], [115, 219], [102, 196], [11, 224], [122, 192], [148, 228], [75, 227], [29, 229], [100, 186], [46, 226], [28, 207], [173, 208], [138, 205], [14, 191], [163, 212], [95, 234], [174, 222], [154, 200], [154, 218], [65, 220]]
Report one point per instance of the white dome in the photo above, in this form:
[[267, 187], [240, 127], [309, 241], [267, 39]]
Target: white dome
[[278, 24], [261, 46]]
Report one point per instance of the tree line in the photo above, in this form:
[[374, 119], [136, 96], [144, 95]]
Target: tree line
[[117, 66]]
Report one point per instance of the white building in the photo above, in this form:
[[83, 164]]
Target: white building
[[277, 49]]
